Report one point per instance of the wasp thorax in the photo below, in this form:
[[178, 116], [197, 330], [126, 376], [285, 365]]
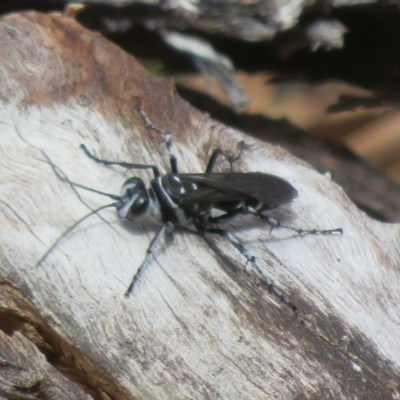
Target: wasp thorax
[[134, 199]]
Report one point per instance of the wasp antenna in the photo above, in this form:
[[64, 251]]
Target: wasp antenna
[[56, 170], [64, 178], [120, 163], [72, 227]]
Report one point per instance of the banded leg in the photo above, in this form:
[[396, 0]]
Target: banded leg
[[232, 158], [173, 161], [149, 251], [167, 140], [271, 221], [253, 260], [276, 224]]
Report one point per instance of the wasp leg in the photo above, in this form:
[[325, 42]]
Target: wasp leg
[[271, 221], [149, 251], [231, 159], [213, 159], [253, 260], [226, 217], [120, 163], [167, 140], [276, 224]]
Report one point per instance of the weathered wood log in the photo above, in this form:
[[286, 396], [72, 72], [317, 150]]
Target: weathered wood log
[[196, 325], [26, 374]]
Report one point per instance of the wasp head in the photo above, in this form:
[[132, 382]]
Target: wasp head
[[134, 199]]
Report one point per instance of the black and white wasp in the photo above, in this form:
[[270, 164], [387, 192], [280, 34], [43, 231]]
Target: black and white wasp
[[189, 200]]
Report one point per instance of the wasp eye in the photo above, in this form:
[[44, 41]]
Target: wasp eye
[[134, 199]]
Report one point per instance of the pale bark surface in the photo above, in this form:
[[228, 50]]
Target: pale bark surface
[[196, 326]]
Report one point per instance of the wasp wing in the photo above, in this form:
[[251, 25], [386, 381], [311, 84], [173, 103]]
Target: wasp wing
[[209, 195], [271, 190]]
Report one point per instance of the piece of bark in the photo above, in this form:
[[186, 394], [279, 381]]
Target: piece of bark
[[24, 370], [255, 21], [196, 326], [37, 363]]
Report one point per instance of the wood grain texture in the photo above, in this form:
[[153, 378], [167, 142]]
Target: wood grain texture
[[196, 326], [25, 373]]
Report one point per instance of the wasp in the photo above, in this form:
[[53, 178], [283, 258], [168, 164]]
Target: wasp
[[190, 201]]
